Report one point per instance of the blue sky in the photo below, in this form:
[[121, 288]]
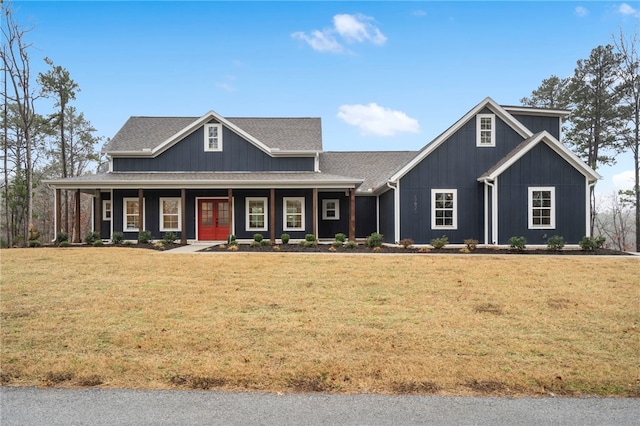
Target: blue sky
[[381, 75]]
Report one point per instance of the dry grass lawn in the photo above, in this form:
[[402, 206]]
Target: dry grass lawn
[[465, 325]]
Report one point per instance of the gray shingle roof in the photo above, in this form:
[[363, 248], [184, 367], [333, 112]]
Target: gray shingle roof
[[375, 167], [285, 134]]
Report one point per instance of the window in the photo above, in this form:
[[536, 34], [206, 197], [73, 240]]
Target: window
[[330, 209], [130, 207], [485, 130], [542, 213], [257, 214], [444, 206], [294, 214], [106, 209], [213, 137], [170, 214]]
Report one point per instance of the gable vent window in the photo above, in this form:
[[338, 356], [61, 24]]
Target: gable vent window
[[213, 137], [486, 132]]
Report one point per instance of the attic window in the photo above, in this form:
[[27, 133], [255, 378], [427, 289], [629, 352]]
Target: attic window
[[485, 130], [213, 137]]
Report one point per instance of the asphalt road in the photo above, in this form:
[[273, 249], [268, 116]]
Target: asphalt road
[[32, 406]]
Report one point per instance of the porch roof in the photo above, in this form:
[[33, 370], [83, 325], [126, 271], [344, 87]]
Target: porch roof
[[188, 180]]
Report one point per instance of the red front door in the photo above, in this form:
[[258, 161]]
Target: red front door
[[213, 219]]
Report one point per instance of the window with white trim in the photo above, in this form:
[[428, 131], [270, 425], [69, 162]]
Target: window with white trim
[[170, 214], [106, 209], [330, 209], [542, 212], [444, 209], [130, 215], [293, 213], [256, 213], [213, 137], [485, 130]]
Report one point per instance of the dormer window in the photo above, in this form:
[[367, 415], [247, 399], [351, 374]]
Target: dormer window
[[486, 130], [213, 137]]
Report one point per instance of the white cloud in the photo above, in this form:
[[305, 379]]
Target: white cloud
[[628, 10], [623, 180], [358, 28], [322, 41], [581, 11], [349, 28], [372, 119]]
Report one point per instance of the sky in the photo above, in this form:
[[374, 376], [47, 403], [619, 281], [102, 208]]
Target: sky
[[381, 75]]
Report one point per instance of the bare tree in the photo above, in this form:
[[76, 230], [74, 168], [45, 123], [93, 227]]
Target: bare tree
[[629, 71], [15, 60], [616, 223]]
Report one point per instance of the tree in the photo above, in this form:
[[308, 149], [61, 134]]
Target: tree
[[629, 72], [552, 94], [58, 84], [616, 223], [595, 127], [15, 60]]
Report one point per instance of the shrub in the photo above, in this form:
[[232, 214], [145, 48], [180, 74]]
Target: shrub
[[231, 240], [127, 243], [341, 237], [265, 242], [258, 238], [62, 237], [439, 243], [555, 242], [350, 244], [591, 243], [336, 244], [406, 242], [98, 243], [471, 244], [34, 243], [169, 237], [517, 243], [310, 238], [91, 237], [374, 240], [64, 244], [285, 238], [117, 238], [144, 237]]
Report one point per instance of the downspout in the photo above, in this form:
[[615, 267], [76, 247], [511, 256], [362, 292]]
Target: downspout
[[396, 211], [588, 207], [494, 214]]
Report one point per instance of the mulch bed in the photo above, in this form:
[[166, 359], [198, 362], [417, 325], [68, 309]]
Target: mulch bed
[[361, 248]]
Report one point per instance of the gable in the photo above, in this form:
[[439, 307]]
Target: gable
[[488, 105], [150, 136]]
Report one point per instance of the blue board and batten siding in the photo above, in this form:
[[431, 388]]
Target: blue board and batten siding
[[539, 123], [455, 164], [188, 155], [541, 167]]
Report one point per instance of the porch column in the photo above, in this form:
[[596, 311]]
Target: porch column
[[352, 214], [58, 212], [140, 211], [314, 202], [272, 215], [78, 236], [230, 195], [97, 211], [183, 209]]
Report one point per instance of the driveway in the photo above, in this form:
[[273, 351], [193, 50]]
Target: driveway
[[32, 406]]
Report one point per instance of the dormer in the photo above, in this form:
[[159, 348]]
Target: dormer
[[539, 119]]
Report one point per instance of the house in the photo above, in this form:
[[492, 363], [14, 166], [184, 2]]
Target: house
[[498, 172]]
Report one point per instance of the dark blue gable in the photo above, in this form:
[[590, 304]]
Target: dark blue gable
[[238, 154], [541, 167], [455, 164]]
